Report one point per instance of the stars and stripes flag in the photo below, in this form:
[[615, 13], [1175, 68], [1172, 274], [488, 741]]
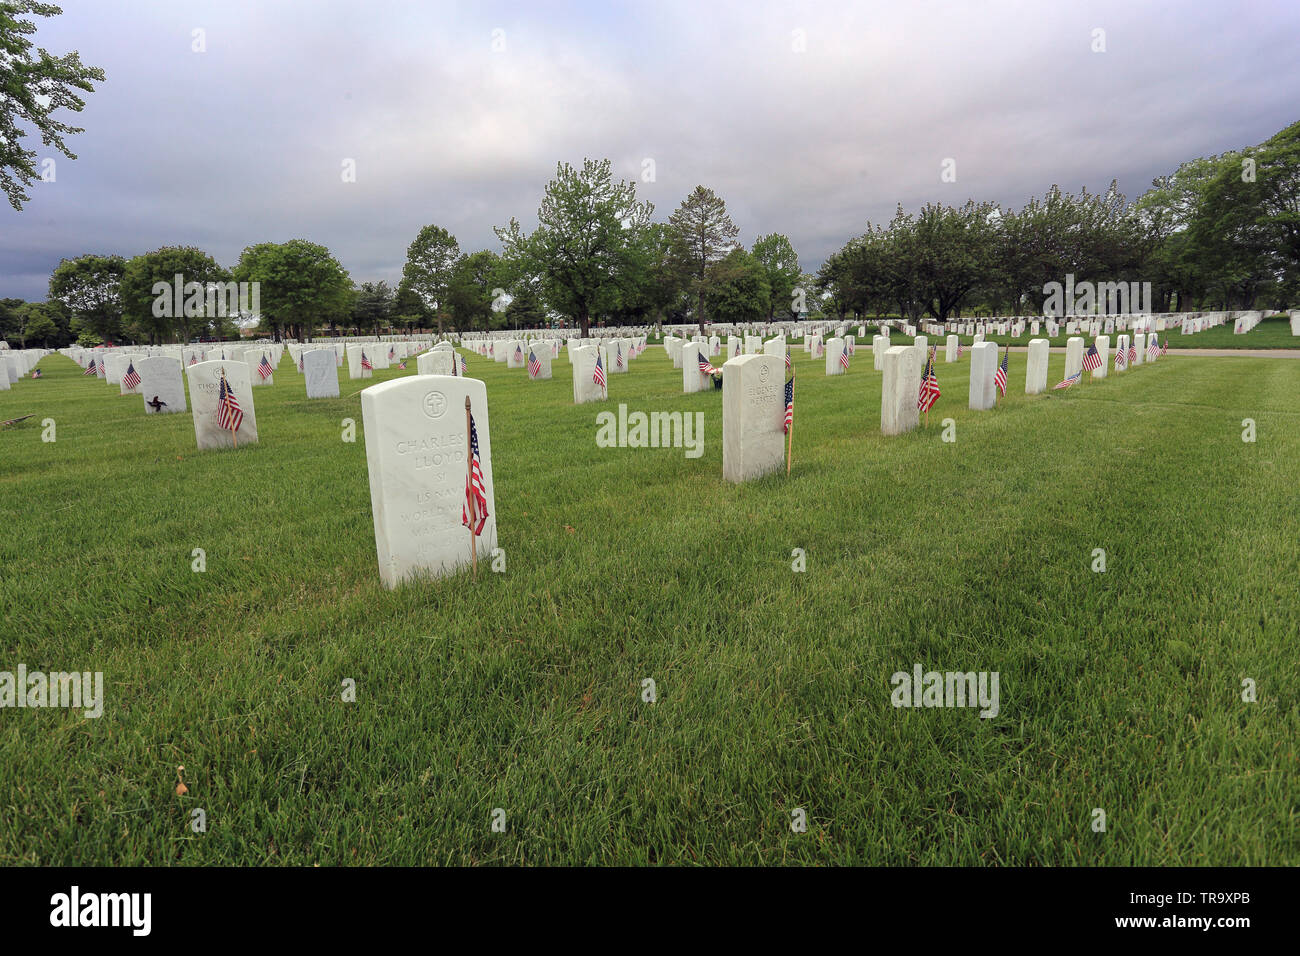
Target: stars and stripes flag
[[131, 378], [789, 393], [1132, 353], [1165, 348], [91, 368], [474, 513], [929, 384], [366, 363], [37, 373], [705, 367], [391, 353], [519, 352], [194, 360], [464, 366], [300, 368], [264, 368], [1072, 380], [1000, 376], [229, 415], [1092, 359], [844, 359], [598, 376], [401, 363], [1153, 346], [618, 356], [534, 364], [1121, 358]]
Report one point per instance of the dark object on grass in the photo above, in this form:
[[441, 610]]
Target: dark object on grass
[[156, 404], [15, 421], [717, 379]]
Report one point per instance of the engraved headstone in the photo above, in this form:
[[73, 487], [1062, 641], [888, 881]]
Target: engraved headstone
[[417, 455]]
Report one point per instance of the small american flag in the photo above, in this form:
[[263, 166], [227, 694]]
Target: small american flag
[[598, 376], [1132, 353], [534, 364], [474, 513], [929, 384], [300, 368], [229, 415], [464, 366], [960, 348], [618, 356], [844, 359], [705, 367], [92, 368], [1072, 380], [1165, 348], [1000, 376], [264, 368], [37, 373], [519, 353], [1121, 357], [402, 364], [194, 359], [132, 378], [789, 393], [366, 363], [391, 354], [1092, 360]]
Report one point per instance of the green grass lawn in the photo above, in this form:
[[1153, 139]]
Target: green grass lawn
[[523, 690]]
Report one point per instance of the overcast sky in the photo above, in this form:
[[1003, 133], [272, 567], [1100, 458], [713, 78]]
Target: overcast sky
[[808, 119]]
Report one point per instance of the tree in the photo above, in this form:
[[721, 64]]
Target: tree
[[31, 90], [704, 234], [470, 293], [299, 285], [38, 324], [587, 230], [91, 287], [739, 290], [373, 307], [145, 316], [525, 310], [430, 260], [777, 257], [409, 308]]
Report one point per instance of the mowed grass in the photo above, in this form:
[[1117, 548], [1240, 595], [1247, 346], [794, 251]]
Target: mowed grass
[[523, 690], [1272, 333]]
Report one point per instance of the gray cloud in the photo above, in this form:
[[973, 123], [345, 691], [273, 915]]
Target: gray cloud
[[244, 143]]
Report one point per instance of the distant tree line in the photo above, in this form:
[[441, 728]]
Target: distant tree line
[[1221, 232]]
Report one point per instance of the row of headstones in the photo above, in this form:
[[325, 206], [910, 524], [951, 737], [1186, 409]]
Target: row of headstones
[[16, 363], [417, 485], [903, 366], [583, 355]]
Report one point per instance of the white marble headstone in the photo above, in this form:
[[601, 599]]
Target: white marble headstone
[[417, 455], [320, 373], [205, 386], [162, 384]]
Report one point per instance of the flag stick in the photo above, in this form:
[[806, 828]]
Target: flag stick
[[789, 452], [469, 491]]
